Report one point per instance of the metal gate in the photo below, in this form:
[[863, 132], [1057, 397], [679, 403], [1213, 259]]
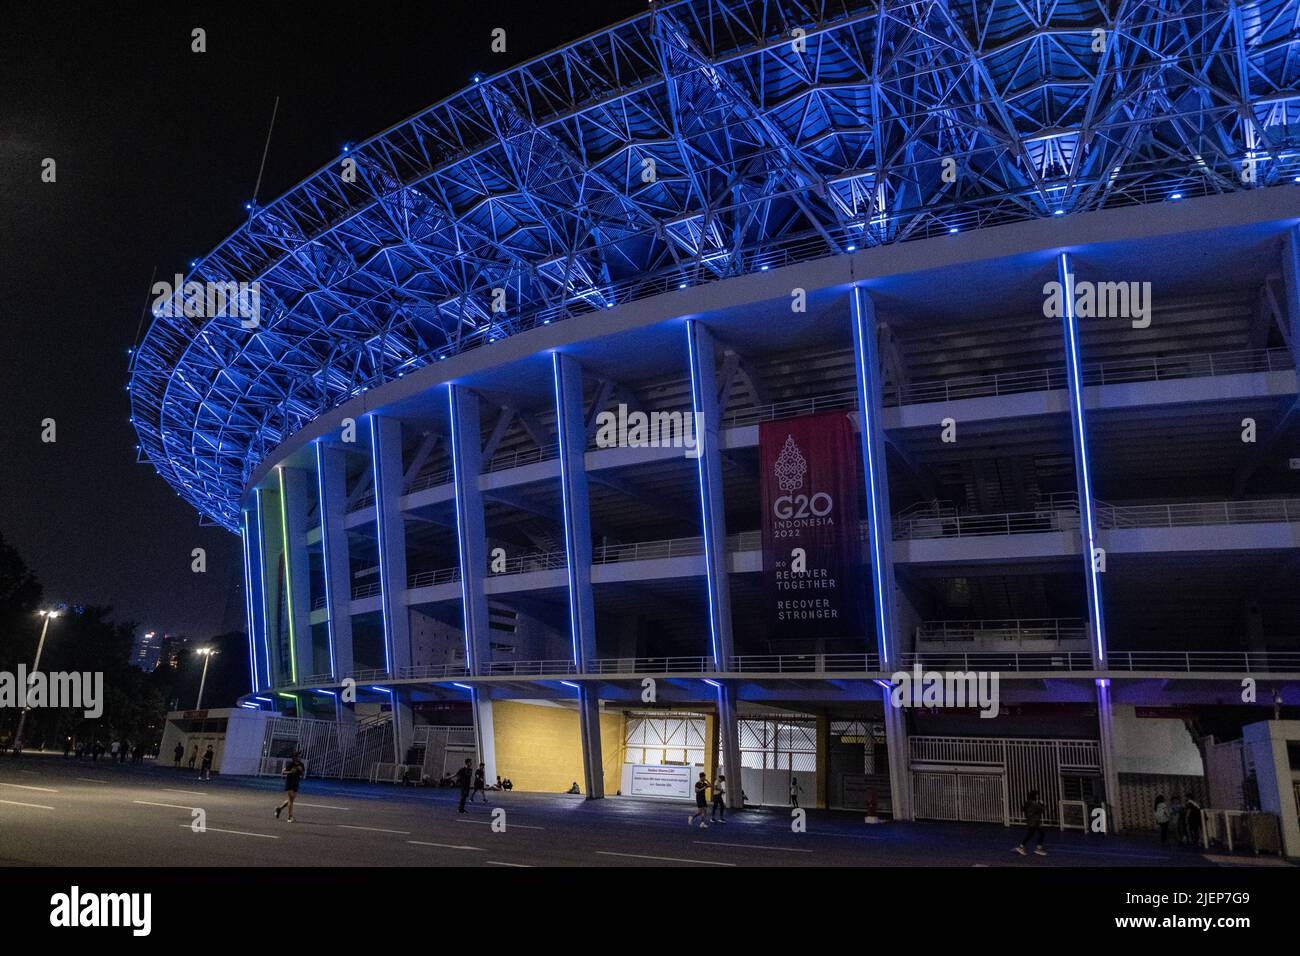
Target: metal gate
[[1018, 764], [974, 797]]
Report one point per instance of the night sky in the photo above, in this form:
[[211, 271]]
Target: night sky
[[157, 148]]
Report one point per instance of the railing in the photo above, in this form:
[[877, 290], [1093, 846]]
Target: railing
[[430, 479], [1202, 661], [805, 663], [366, 590], [978, 386], [994, 661], [1188, 662], [1191, 514], [529, 668], [432, 672], [427, 579], [1064, 661], [790, 408], [1023, 629], [948, 525], [517, 459], [1114, 372], [657, 665]]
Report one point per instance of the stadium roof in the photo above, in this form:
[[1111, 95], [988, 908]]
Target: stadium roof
[[700, 140]]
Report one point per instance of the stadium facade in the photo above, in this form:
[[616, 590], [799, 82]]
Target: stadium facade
[[659, 400]]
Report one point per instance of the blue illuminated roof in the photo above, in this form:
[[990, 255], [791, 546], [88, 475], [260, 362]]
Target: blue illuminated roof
[[700, 140]]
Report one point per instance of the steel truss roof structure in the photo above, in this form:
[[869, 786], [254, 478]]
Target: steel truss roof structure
[[702, 139]]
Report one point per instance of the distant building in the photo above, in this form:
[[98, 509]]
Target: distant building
[[147, 651], [172, 649]]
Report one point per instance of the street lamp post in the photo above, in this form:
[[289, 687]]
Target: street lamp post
[[207, 653], [36, 666]]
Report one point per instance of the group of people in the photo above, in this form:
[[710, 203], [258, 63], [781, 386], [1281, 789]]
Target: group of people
[[1183, 816], [118, 750], [205, 765], [718, 809], [473, 783]]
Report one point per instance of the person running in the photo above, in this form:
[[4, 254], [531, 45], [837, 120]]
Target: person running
[[701, 803], [205, 773], [718, 812], [795, 790], [1033, 811], [465, 780], [293, 773], [178, 754]]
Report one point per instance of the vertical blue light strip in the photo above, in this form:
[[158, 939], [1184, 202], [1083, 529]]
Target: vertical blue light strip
[[867, 371], [1074, 367], [461, 552], [261, 572], [704, 480], [381, 538], [246, 534], [323, 511], [570, 570]]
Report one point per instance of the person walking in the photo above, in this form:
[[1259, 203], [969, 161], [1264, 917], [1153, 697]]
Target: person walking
[[194, 755], [112, 751], [205, 773], [464, 780], [1032, 808], [795, 790], [293, 772], [1160, 811], [718, 812], [480, 783], [177, 754], [701, 802]]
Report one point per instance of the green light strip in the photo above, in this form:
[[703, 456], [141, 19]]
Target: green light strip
[[288, 578]]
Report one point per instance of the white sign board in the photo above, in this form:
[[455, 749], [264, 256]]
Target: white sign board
[[652, 780]]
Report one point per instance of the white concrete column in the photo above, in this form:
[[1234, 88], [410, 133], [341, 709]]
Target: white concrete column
[[331, 489], [471, 529], [713, 528], [880, 537], [572, 435], [295, 503], [386, 460]]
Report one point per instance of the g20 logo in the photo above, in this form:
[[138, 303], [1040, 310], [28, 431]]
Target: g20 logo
[[796, 507]]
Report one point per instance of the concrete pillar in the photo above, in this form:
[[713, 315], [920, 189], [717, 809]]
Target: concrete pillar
[[270, 536], [331, 490], [1088, 534], [403, 723], [1269, 741], [485, 735], [386, 460], [295, 504], [471, 529], [571, 427], [1291, 288], [255, 601], [713, 527], [1106, 743], [880, 536], [1082, 464]]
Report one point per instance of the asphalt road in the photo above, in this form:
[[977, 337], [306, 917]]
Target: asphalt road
[[57, 812]]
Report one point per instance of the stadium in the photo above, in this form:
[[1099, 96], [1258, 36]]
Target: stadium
[[650, 406]]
